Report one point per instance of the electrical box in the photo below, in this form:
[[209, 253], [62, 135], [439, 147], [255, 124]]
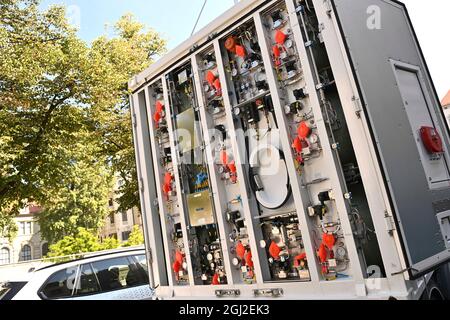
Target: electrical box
[[276, 145]]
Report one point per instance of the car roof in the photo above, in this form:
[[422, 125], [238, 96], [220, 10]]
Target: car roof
[[91, 255]]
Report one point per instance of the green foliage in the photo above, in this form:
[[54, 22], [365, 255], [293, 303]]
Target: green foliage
[[8, 228], [81, 201], [130, 52], [136, 237], [84, 241], [110, 243], [64, 116], [45, 84]]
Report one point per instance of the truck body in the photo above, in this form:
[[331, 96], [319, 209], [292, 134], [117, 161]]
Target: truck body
[[294, 149]]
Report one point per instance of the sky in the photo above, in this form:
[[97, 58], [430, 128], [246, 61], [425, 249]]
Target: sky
[[175, 19]]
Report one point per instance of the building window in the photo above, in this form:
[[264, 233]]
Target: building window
[[4, 256], [124, 216], [28, 228], [126, 235], [24, 228], [25, 253], [21, 228], [111, 218], [44, 249]]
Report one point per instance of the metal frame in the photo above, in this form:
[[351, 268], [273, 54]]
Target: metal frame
[[299, 199], [445, 255], [372, 174], [416, 69], [247, 205], [158, 182], [219, 201], [372, 140], [329, 154], [176, 173], [370, 169], [143, 165]]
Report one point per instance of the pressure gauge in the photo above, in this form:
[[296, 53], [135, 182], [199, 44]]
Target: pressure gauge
[[234, 72], [232, 236], [237, 111], [341, 253], [277, 24], [210, 257], [206, 88], [209, 64], [235, 262], [314, 138], [221, 169], [263, 244], [255, 64], [289, 43], [287, 109]]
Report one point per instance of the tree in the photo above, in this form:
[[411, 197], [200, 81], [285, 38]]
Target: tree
[[80, 200], [64, 116], [131, 51], [46, 83], [83, 241], [136, 237]]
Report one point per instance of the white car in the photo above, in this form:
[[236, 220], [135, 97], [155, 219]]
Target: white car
[[120, 274]]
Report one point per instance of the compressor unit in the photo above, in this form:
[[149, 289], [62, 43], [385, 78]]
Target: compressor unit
[[294, 149]]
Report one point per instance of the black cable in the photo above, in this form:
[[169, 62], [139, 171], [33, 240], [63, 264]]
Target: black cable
[[199, 16]]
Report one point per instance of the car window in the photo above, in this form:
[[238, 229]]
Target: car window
[[4, 289], [142, 267], [87, 282], [142, 260], [117, 273], [60, 284], [10, 289]]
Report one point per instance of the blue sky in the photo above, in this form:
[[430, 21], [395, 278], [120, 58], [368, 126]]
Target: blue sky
[[176, 26], [174, 19]]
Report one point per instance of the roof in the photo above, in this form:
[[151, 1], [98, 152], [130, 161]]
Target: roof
[[446, 101], [85, 256]]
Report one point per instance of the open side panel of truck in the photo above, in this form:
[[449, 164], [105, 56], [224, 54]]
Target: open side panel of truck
[[406, 123]]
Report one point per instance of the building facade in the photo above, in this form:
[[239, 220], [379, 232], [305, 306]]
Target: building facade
[[28, 244], [119, 224]]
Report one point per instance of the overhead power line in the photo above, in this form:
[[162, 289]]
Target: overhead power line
[[199, 16]]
